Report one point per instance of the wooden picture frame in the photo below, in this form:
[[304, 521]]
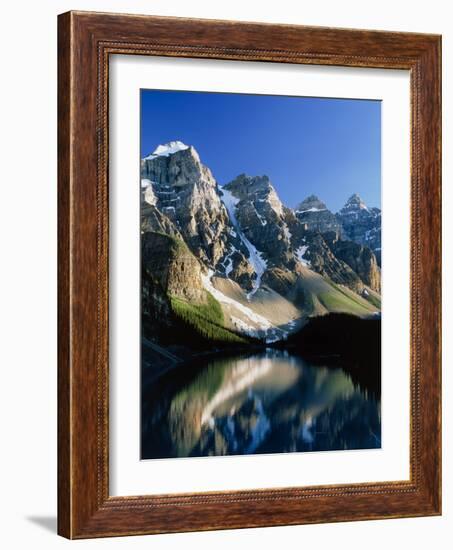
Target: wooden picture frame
[[85, 41]]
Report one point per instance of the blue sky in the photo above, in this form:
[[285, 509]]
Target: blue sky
[[327, 147]]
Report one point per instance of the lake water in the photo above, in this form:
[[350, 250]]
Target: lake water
[[270, 402]]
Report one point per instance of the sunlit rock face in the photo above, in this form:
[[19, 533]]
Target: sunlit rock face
[[263, 218], [176, 182], [180, 196], [361, 260], [283, 262], [169, 262], [229, 270], [324, 261]]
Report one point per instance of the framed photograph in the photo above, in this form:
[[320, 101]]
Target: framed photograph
[[249, 275]]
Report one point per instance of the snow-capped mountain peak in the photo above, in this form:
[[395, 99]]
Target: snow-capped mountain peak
[[315, 215], [355, 203], [257, 189], [166, 149], [311, 204]]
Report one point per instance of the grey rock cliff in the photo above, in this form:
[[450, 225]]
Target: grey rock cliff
[[171, 264], [185, 191], [242, 231], [315, 216], [323, 260], [263, 218], [359, 258], [181, 197], [362, 224]]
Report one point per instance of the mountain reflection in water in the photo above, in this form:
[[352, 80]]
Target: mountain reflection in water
[[271, 402]]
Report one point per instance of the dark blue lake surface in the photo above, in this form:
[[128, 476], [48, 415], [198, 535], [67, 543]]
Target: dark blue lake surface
[[270, 402]]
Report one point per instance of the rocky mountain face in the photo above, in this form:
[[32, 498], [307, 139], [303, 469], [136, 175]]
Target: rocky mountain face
[[315, 215], [261, 217], [362, 224], [360, 259], [354, 222], [267, 265], [180, 197], [323, 259], [156, 307], [183, 190], [169, 262]]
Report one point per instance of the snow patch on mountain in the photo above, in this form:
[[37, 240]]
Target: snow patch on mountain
[[244, 327], [255, 258], [300, 253], [313, 209], [287, 232], [261, 321], [167, 149], [228, 262], [260, 217]]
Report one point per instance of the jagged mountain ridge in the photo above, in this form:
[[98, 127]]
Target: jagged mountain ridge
[[354, 222], [362, 224], [316, 216], [257, 258]]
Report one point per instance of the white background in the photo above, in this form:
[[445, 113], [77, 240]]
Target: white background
[[129, 475], [28, 274]]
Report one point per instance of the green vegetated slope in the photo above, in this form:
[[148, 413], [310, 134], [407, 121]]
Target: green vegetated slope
[[189, 316], [179, 310], [344, 300], [321, 296], [204, 321], [374, 298]]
